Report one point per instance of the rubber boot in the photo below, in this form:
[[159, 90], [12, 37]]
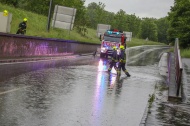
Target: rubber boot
[[127, 74], [109, 70]]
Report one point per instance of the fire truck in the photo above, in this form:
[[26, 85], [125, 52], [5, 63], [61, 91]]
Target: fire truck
[[109, 39]]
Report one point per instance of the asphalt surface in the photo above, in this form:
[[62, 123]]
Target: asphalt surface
[[78, 91]]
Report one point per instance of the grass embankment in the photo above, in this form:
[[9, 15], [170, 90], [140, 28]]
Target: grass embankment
[[138, 42], [185, 53]]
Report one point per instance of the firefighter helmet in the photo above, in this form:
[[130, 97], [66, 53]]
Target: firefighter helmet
[[25, 19], [114, 47], [122, 47], [5, 13]]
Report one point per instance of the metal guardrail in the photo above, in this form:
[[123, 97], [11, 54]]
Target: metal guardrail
[[178, 66]]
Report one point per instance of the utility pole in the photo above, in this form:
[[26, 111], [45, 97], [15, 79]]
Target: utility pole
[[49, 15]]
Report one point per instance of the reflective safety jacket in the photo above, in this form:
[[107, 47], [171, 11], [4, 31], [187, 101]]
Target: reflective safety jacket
[[22, 26], [114, 56], [122, 56]]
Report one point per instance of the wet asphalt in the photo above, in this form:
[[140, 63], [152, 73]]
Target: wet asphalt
[[78, 91]]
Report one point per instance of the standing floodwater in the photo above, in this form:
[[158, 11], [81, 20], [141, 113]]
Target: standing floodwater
[[78, 91]]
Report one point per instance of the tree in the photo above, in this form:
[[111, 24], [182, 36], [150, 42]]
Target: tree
[[38, 6], [121, 20], [100, 12], [148, 29], [91, 13], [133, 24], [162, 25], [10, 2], [96, 14], [109, 18], [179, 19]]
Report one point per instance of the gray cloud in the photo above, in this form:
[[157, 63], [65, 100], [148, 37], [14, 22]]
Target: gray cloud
[[141, 8]]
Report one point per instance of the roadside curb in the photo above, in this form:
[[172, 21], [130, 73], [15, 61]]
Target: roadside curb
[[145, 115], [26, 59], [32, 59]]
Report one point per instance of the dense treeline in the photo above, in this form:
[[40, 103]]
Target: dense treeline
[[165, 29], [179, 18]]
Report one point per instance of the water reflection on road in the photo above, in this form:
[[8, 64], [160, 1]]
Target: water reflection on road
[[77, 91]]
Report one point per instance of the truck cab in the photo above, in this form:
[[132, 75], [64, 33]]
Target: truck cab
[[109, 39]]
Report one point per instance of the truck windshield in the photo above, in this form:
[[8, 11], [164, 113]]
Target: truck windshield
[[112, 39]]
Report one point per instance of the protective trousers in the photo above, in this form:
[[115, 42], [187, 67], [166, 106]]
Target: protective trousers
[[122, 66], [112, 64], [21, 31]]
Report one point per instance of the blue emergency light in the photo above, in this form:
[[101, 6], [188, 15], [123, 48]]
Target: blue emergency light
[[112, 32]]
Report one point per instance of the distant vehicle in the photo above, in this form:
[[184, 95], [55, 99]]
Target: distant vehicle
[[111, 38]]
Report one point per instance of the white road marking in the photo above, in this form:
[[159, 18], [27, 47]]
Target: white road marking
[[16, 89]]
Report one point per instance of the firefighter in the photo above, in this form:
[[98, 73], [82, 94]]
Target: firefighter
[[122, 62], [22, 27], [114, 59], [123, 40]]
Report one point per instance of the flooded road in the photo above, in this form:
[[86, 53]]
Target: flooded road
[[78, 91]]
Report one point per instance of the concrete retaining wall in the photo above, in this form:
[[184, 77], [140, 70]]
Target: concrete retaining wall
[[12, 45]]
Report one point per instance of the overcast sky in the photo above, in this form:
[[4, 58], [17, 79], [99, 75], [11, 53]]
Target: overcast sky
[[141, 8]]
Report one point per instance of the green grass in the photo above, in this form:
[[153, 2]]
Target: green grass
[[138, 42], [185, 53]]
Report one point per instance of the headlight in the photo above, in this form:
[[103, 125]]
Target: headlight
[[118, 52], [103, 49]]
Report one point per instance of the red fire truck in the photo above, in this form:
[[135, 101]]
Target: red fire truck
[[109, 39]]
